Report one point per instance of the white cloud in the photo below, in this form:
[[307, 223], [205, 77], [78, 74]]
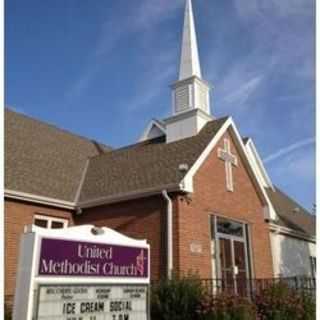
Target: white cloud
[[143, 18], [302, 167], [241, 95], [273, 57], [241, 81], [284, 8], [151, 88], [82, 83], [286, 150], [295, 172], [285, 28]]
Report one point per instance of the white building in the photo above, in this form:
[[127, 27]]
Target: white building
[[292, 228]]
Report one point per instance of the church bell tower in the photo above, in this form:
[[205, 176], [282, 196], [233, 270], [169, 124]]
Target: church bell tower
[[190, 94]]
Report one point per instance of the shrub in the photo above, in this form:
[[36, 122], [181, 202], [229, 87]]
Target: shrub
[[227, 307], [177, 299], [309, 306], [280, 302], [185, 299]]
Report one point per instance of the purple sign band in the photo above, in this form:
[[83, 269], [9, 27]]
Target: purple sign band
[[74, 258]]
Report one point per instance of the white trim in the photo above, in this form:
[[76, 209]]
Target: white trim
[[188, 179], [260, 164], [243, 149], [29, 197], [130, 195], [94, 202], [50, 219], [173, 101], [229, 161], [186, 113], [243, 239], [287, 231], [169, 234], [191, 96], [151, 124]]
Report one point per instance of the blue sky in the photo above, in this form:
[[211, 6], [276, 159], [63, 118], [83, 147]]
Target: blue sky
[[102, 69]]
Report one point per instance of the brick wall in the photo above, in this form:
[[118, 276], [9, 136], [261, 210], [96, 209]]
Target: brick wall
[[211, 197], [139, 219], [146, 219], [17, 214]]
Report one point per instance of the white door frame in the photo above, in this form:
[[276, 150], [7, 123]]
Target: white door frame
[[216, 249]]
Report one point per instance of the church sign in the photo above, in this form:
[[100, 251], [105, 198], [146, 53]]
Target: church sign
[[92, 302], [78, 274], [84, 259]]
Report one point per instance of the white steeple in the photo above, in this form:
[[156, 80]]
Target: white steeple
[[190, 94], [190, 91], [189, 63]]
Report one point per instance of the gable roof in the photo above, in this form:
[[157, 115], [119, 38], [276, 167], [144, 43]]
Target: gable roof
[[231, 127], [44, 160], [291, 214], [51, 163], [155, 129], [150, 165]]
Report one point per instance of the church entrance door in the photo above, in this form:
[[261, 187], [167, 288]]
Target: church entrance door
[[233, 260]]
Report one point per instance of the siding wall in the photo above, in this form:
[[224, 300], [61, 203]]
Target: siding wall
[[291, 256]]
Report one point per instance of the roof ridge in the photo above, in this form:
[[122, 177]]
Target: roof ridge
[[53, 126], [141, 169], [149, 141]]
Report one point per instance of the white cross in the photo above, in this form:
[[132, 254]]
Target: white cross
[[229, 159]]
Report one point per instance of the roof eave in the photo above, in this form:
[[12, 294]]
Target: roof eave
[[130, 195], [288, 231], [29, 197]]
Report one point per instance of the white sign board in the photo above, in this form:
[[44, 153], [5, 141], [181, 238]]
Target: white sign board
[[92, 302], [81, 273]]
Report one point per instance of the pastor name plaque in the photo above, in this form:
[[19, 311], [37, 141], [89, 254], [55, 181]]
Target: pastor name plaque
[[85, 259], [92, 302]]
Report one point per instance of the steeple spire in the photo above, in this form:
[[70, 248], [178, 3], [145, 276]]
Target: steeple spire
[[190, 94], [189, 63]]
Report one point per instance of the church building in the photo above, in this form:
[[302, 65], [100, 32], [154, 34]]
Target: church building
[[192, 186]]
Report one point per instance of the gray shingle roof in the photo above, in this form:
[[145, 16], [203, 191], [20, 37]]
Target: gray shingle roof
[[291, 214], [46, 161], [146, 165], [43, 160]]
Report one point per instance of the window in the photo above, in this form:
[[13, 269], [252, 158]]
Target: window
[[229, 227], [50, 222], [313, 266]]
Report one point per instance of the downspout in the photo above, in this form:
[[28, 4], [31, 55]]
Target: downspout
[[169, 234]]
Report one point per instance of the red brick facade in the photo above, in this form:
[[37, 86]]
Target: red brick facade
[[18, 214], [211, 197], [145, 218], [140, 219]]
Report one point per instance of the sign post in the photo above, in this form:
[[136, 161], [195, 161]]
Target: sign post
[[82, 273]]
